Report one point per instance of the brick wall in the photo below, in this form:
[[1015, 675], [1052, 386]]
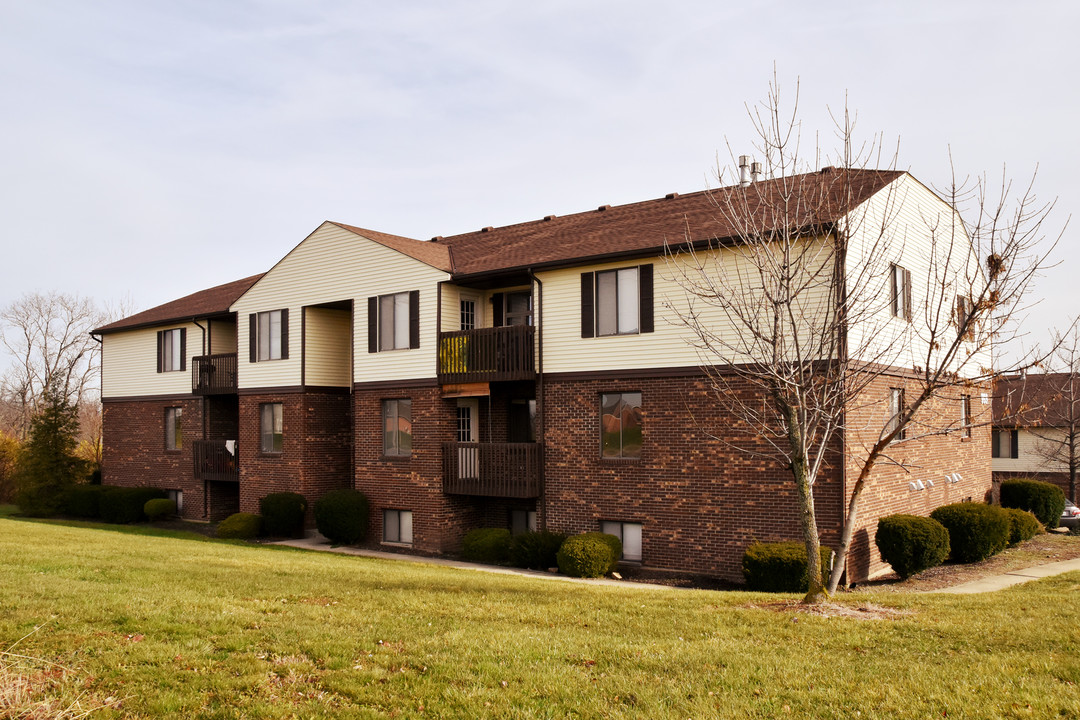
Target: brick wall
[[134, 454]]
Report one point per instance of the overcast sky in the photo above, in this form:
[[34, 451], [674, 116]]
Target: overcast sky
[[151, 149]]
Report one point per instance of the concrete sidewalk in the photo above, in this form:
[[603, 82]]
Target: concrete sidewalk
[[987, 584]]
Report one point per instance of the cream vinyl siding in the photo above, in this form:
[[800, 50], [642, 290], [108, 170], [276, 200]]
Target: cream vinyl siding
[[908, 225], [222, 337], [330, 265], [129, 363], [328, 354], [1029, 459], [671, 344]]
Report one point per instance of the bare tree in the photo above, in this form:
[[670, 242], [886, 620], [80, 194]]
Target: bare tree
[[1053, 411], [807, 322], [48, 335]]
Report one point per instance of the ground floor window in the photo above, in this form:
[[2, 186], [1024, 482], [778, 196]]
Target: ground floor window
[[177, 496], [271, 428], [397, 526], [522, 521], [629, 533]]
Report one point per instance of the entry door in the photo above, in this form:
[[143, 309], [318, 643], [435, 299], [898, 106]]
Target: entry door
[[468, 421]]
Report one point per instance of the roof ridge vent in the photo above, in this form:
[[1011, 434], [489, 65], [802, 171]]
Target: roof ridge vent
[[550, 217], [671, 196], [489, 228], [827, 169], [437, 238], [602, 208]]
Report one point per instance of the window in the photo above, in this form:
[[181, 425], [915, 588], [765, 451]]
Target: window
[[617, 302], [620, 425], [269, 335], [896, 407], [397, 526], [394, 321], [468, 313], [964, 321], [177, 496], [629, 533], [172, 350], [965, 416], [522, 521], [518, 308], [1005, 443], [397, 428], [900, 291], [174, 431], [270, 428]]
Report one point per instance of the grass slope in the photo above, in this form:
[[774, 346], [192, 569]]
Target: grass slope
[[162, 626]]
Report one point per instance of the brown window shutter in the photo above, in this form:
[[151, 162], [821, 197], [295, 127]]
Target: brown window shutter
[[1015, 444], [907, 295], [161, 351], [645, 297], [894, 303], [253, 341], [497, 303], [373, 324], [285, 334], [414, 319], [588, 300], [183, 348]]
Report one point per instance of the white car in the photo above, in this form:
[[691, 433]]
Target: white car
[[1070, 518]]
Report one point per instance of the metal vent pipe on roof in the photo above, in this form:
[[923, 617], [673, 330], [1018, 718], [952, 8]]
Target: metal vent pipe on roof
[[744, 170], [755, 172]]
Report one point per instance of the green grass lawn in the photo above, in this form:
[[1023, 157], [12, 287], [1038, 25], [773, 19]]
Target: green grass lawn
[[155, 625]]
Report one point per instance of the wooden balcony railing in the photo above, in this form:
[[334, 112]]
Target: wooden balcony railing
[[509, 470], [213, 461], [487, 355], [213, 374]]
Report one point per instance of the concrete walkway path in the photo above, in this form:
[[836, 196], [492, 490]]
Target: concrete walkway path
[[316, 541]]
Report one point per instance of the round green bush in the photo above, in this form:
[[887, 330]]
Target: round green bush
[[780, 566], [585, 556], [283, 514], [976, 531], [1045, 500], [159, 508], [342, 516], [487, 545], [243, 526], [536, 550], [123, 505], [83, 501], [911, 543], [612, 542], [1022, 525]]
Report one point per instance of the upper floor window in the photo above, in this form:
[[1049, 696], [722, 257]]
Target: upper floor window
[[620, 425], [896, 407], [512, 308], [397, 427], [617, 302], [269, 335], [394, 321], [965, 324], [172, 350], [900, 291], [271, 428], [174, 430], [1004, 443], [965, 416]]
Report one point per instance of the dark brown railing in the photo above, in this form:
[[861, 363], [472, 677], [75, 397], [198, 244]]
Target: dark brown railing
[[214, 462], [213, 374], [509, 470], [487, 355]]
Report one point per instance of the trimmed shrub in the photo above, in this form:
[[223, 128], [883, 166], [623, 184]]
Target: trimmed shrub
[[124, 505], [780, 566], [911, 543], [487, 545], [342, 516], [536, 550], [283, 514], [612, 542], [976, 531], [83, 501], [1044, 500], [241, 526], [159, 508], [587, 555], [1022, 526]]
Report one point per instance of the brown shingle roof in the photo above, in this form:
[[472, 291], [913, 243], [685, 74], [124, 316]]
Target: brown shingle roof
[[205, 303], [426, 252], [1034, 400], [822, 197]]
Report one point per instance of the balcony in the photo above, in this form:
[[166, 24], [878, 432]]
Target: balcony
[[507, 470], [213, 374], [487, 355], [213, 461]]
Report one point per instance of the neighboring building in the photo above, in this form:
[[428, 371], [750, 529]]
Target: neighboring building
[[1035, 417], [526, 377]]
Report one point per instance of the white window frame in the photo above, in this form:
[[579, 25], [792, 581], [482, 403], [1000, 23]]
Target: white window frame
[[268, 335], [622, 454], [391, 416], [896, 406], [621, 287], [172, 358], [625, 531], [393, 313], [965, 417], [271, 428], [397, 527], [900, 283]]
